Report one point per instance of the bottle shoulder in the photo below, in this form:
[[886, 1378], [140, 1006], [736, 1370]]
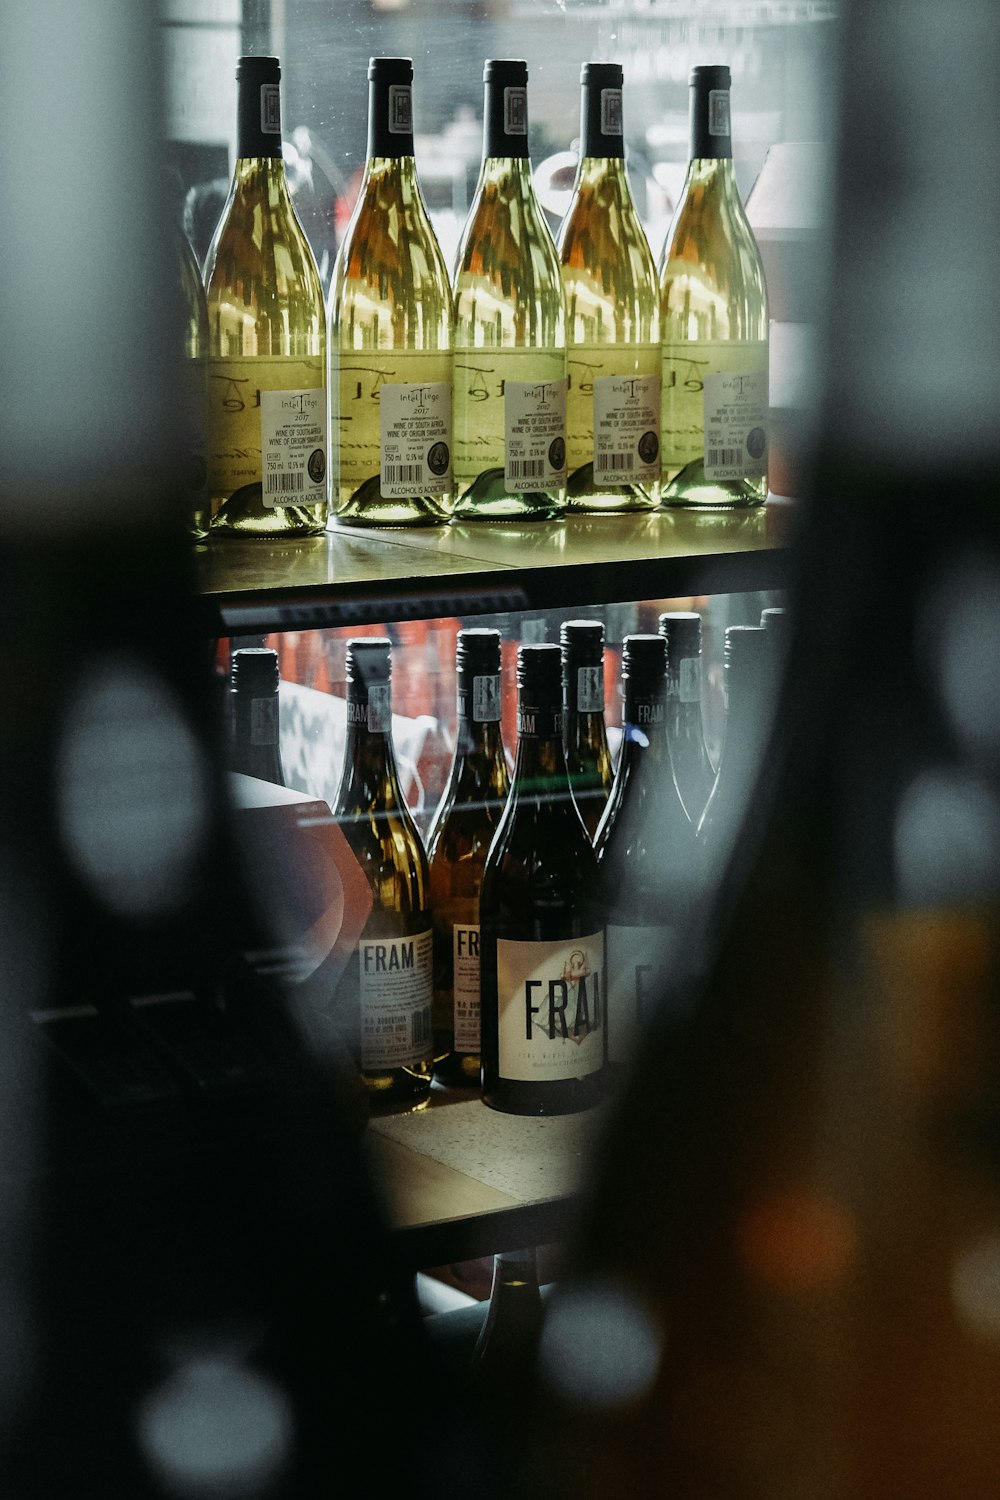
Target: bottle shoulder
[[507, 261]]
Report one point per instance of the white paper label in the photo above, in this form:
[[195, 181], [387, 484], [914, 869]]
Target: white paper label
[[611, 111], [396, 986], [535, 434], [638, 961], [590, 689], [293, 447], [379, 708], [718, 112], [400, 109], [415, 439], [689, 679], [736, 425], [627, 428], [486, 699], [515, 111], [264, 720], [270, 109], [550, 1008], [465, 967]]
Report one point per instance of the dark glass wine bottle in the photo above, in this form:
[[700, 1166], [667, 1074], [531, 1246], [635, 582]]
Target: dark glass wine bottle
[[588, 759], [383, 1003], [255, 746], [457, 845], [749, 669], [645, 850], [541, 928], [685, 726]]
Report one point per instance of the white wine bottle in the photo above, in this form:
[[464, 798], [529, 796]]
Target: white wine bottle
[[645, 849], [457, 845], [612, 318], [390, 332], [541, 928], [267, 411], [510, 327], [585, 734], [383, 1002], [713, 324], [189, 375]]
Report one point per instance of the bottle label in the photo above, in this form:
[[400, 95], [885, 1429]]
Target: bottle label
[[611, 111], [644, 713], [481, 378], [486, 699], [465, 968], [396, 989], [420, 442], [689, 679], [590, 689], [535, 432], [638, 964], [379, 708], [613, 411], [550, 1008], [715, 408], [515, 111], [415, 439], [239, 434], [400, 109], [264, 720], [718, 112], [270, 108], [540, 723]]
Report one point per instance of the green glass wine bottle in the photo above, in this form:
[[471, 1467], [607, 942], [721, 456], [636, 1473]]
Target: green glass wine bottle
[[588, 758]]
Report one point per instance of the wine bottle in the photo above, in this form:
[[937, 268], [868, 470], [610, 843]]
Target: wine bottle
[[189, 385], [748, 666], [390, 331], [267, 412], [510, 327], [689, 756], [383, 1003], [713, 323], [256, 742], [457, 845], [541, 929], [612, 318], [645, 850], [588, 759]]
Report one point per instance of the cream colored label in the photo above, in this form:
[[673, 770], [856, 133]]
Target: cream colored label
[[638, 961], [465, 968], [396, 988], [535, 421], [359, 378], [234, 429], [715, 419], [415, 437], [293, 445], [613, 411], [551, 1008], [479, 416]]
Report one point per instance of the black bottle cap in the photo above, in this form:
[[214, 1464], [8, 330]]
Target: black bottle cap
[[710, 76], [368, 660], [582, 641], [602, 75], [681, 628], [390, 69], [258, 69], [747, 650], [254, 671], [774, 618], [539, 671], [478, 650], [512, 72], [644, 655]]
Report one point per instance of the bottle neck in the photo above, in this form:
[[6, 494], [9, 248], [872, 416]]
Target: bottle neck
[[369, 761], [258, 120], [256, 743], [390, 119], [710, 125], [601, 123], [505, 122], [540, 764]]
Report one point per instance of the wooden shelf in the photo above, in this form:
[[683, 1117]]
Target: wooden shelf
[[354, 576]]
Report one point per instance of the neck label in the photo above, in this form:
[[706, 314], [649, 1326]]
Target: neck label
[[486, 699], [270, 109], [718, 112], [515, 111], [590, 689], [375, 713], [539, 723], [264, 720], [611, 111], [400, 109], [689, 679]]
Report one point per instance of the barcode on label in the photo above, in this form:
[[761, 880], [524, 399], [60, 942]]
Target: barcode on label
[[718, 457], [613, 462], [284, 483], [420, 1026], [402, 473], [526, 468]]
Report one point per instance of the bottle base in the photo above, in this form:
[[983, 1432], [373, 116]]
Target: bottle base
[[367, 506], [690, 488], [487, 499], [585, 496], [243, 513], [564, 1096], [395, 1086], [458, 1070]]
